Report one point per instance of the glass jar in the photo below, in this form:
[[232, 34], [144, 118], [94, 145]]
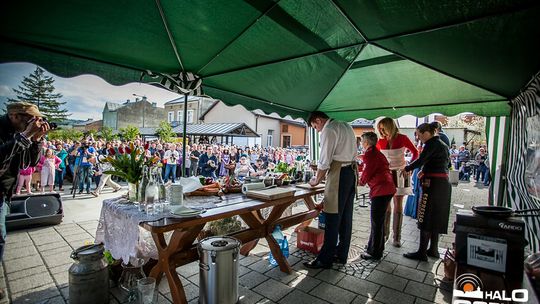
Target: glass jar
[[130, 275]]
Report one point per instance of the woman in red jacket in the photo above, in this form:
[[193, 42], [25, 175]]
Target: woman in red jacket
[[377, 176], [393, 145]]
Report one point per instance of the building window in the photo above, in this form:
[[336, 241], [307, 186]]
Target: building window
[[170, 117], [180, 116], [269, 140], [190, 116]]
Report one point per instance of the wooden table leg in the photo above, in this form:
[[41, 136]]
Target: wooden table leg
[[253, 220], [310, 203], [180, 240], [276, 213]]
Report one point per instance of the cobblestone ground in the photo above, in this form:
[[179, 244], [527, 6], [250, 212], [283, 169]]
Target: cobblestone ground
[[36, 262]]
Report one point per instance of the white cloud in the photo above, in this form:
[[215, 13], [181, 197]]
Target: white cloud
[[6, 91]]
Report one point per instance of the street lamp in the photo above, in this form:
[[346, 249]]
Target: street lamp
[[144, 106]]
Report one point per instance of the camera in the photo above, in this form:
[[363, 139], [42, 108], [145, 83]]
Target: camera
[[52, 125]]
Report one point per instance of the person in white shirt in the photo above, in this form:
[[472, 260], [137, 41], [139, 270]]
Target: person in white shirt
[[337, 164], [170, 157]]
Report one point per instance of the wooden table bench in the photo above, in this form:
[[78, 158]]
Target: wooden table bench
[[182, 247]]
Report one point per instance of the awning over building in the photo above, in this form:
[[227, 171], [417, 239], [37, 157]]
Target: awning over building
[[218, 129]]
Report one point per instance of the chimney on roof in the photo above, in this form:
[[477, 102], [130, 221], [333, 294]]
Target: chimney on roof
[[154, 104], [144, 98], [127, 101]]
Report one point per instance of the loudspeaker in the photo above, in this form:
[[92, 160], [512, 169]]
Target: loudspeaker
[[34, 210]]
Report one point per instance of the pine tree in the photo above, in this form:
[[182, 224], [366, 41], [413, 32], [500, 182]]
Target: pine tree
[[38, 88]]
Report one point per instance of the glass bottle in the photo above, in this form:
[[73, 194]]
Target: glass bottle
[[142, 187], [163, 196], [151, 194]]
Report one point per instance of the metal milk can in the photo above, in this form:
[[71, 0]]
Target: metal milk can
[[218, 273], [89, 276]]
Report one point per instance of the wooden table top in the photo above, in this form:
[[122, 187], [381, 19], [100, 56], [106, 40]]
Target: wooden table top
[[230, 205]]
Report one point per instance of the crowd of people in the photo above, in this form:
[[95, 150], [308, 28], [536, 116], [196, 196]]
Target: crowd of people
[[85, 160]]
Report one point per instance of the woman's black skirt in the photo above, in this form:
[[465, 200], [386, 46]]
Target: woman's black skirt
[[434, 206]]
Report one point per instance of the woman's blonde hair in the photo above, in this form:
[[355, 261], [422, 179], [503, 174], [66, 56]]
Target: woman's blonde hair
[[389, 126]]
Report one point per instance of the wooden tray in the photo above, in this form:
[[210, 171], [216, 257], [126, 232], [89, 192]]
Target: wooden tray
[[203, 193], [271, 194]]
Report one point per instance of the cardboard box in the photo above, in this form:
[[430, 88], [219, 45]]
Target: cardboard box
[[310, 239]]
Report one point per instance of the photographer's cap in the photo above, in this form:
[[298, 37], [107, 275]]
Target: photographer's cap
[[23, 108]]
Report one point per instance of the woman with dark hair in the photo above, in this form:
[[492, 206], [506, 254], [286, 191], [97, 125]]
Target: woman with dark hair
[[434, 205], [377, 176]]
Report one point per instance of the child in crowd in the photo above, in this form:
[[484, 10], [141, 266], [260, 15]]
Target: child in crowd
[[25, 177], [48, 165]]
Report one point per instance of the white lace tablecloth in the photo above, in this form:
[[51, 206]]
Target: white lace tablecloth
[[121, 234]]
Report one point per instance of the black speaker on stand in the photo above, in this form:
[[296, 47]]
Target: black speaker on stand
[[34, 210]]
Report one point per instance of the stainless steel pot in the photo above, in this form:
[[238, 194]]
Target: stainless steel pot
[[218, 273], [89, 276]]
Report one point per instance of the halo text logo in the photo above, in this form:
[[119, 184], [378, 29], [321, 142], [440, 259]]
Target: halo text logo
[[470, 290]]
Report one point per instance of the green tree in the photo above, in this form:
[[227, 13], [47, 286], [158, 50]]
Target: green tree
[[65, 134], [38, 88], [107, 133], [129, 133], [165, 131]]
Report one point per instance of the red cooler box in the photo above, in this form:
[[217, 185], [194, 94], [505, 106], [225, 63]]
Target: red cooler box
[[310, 239]]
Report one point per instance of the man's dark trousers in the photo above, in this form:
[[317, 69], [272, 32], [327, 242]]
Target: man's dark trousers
[[379, 205], [340, 225]]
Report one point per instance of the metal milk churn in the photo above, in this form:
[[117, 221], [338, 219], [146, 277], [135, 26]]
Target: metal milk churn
[[89, 276], [218, 273]]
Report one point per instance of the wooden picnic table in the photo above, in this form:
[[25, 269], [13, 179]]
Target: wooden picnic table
[[182, 247]]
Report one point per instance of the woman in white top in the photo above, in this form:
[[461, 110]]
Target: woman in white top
[[393, 145]]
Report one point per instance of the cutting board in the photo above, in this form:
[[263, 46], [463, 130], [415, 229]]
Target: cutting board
[[308, 186], [271, 194]]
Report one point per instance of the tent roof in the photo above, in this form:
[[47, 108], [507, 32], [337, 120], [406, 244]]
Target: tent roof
[[217, 129], [350, 59]]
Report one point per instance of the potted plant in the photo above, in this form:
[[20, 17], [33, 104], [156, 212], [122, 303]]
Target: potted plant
[[128, 164], [115, 266]]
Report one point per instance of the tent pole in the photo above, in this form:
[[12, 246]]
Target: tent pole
[[184, 135]]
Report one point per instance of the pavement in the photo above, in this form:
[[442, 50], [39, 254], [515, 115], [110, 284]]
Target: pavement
[[36, 263]]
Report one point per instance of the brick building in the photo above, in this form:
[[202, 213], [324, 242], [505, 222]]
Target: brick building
[[141, 113]]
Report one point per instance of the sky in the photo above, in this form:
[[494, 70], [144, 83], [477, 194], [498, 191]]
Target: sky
[[86, 95]]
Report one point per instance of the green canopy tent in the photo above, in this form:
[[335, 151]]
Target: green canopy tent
[[348, 58]]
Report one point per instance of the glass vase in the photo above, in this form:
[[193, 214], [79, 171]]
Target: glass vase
[[130, 275], [133, 192]]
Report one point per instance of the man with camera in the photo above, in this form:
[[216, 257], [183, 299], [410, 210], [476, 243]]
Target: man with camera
[[23, 129]]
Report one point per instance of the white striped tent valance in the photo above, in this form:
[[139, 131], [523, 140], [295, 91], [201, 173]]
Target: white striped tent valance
[[497, 129], [525, 106], [184, 83], [313, 145]]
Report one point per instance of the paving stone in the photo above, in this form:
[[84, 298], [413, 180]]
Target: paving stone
[[163, 286], [52, 246], [281, 276], [65, 293], [194, 279], [188, 269], [421, 290], [391, 296], [410, 273], [61, 268], [248, 260], [363, 300], [41, 231], [272, 289], [401, 260], [61, 279], [429, 266], [63, 250], [304, 282], [261, 266], [191, 291], [46, 239], [20, 252], [388, 280], [83, 235], [27, 272], [21, 237], [252, 279], [242, 270], [163, 300], [386, 266], [333, 294], [443, 296], [29, 282], [43, 292], [422, 301], [57, 259], [23, 263], [330, 276], [247, 296], [15, 245], [81, 242], [299, 297], [359, 286], [300, 268]]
